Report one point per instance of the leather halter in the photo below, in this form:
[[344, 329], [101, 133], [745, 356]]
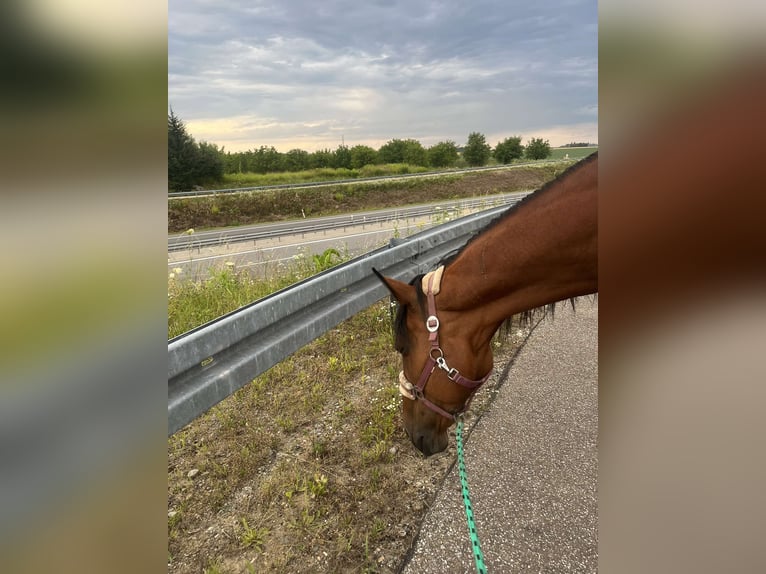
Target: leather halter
[[436, 359]]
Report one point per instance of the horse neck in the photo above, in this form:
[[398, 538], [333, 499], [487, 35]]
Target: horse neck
[[542, 252]]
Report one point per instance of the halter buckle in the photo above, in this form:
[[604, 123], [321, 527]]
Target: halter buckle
[[432, 324]]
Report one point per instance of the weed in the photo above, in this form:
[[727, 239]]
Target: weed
[[214, 567], [329, 258], [318, 448], [379, 452], [317, 486], [253, 537], [174, 519], [285, 423]]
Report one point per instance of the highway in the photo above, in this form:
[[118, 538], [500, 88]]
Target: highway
[[269, 248]]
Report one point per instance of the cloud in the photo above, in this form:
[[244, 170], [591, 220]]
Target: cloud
[[376, 71]]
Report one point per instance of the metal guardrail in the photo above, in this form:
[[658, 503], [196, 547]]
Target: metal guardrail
[[214, 360], [182, 241]]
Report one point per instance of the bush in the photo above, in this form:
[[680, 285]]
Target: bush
[[538, 149]]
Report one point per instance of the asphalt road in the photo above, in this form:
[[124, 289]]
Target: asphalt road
[[229, 235], [278, 244], [532, 463]]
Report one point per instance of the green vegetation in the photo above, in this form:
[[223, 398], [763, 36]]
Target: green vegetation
[[204, 165], [329, 258], [537, 148], [574, 153], [190, 163], [253, 537], [477, 152], [443, 154], [249, 179], [508, 150], [403, 151], [191, 304]]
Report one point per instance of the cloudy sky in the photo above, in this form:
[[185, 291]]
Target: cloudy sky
[[315, 74]]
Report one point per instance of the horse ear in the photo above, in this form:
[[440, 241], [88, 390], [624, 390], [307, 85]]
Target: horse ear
[[402, 292]]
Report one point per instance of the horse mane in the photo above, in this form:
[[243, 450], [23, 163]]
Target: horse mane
[[523, 319]]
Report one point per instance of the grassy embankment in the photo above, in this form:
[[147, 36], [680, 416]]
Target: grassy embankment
[[244, 208]]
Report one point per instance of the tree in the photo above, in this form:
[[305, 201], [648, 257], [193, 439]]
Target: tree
[[443, 154], [342, 157], [476, 151], [415, 153], [322, 158], [296, 160], [538, 149], [362, 155], [267, 160], [189, 163], [209, 164], [182, 155], [509, 149], [392, 151]]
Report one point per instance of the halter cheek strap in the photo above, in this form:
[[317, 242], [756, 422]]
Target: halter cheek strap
[[431, 286]]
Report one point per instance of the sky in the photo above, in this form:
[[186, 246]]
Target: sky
[[318, 74]]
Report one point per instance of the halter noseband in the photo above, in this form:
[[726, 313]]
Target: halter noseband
[[436, 357]]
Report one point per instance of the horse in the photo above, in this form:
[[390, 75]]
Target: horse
[[539, 251]]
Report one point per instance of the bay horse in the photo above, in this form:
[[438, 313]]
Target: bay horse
[[540, 251]]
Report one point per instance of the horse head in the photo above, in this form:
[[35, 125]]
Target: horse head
[[438, 356], [541, 250]]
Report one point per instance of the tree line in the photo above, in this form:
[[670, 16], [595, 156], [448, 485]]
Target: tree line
[[191, 163]]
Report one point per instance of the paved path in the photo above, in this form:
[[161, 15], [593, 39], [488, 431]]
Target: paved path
[[531, 461]]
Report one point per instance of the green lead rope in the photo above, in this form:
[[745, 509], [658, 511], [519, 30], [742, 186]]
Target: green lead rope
[[477, 554]]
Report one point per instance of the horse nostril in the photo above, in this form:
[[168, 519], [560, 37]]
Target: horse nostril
[[424, 445], [429, 445]]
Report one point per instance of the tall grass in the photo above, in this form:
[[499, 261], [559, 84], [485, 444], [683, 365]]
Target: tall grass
[[233, 180], [193, 303]]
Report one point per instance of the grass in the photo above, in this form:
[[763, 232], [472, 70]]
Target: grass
[[233, 180], [573, 152], [306, 468], [191, 304]]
